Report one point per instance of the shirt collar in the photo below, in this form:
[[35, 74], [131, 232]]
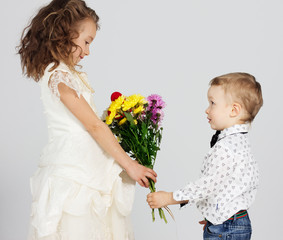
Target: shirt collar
[[239, 128]]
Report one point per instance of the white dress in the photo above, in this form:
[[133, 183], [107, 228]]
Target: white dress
[[78, 191]]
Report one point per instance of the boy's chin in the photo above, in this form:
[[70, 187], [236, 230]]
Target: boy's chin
[[215, 128]]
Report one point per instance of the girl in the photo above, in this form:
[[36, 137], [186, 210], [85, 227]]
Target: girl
[[83, 187]]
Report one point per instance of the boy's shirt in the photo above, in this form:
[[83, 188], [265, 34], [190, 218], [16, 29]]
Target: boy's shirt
[[229, 177]]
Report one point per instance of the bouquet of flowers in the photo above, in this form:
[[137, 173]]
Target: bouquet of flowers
[[136, 122]]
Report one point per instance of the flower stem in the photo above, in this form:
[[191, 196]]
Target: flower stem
[[160, 210]]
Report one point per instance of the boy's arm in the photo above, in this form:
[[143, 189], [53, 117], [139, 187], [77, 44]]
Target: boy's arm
[[161, 199]]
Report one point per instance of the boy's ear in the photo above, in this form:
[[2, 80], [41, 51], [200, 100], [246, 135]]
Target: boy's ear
[[236, 109]]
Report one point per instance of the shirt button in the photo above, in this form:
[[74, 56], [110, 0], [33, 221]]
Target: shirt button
[[220, 235]]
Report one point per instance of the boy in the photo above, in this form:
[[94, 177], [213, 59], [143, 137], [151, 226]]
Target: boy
[[229, 175]]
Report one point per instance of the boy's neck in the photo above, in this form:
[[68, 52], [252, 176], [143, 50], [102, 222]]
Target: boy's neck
[[233, 124], [237, 123]]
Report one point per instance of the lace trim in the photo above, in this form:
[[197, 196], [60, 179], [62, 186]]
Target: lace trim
[[62, 77]]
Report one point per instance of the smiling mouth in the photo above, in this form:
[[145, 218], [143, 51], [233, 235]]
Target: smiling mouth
[[81, 57]]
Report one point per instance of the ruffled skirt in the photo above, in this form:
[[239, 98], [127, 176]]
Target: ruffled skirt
[[79, 193]]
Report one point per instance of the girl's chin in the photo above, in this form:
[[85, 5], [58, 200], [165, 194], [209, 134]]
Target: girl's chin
[[76, 61]]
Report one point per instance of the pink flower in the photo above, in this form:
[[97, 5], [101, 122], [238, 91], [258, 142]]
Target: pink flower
[[155, 106], [156, 101]]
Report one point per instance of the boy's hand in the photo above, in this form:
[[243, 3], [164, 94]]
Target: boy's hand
[[160, 199], [203, 222]]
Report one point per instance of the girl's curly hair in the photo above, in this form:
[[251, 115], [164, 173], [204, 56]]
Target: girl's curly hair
[[49, 36]]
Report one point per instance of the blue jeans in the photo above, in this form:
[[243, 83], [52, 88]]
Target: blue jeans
[[236, 229]]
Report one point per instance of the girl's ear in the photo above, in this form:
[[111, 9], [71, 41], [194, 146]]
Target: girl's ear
[[236, 110]]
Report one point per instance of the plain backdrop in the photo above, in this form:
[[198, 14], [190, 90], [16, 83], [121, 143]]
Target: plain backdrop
[[172, 48]]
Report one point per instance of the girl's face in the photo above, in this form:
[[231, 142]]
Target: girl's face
[[87, 32], [219, 109]]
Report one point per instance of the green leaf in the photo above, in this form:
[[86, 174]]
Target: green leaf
[[129, 118]]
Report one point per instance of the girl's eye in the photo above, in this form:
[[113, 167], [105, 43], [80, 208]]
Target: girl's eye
[[86, 43], [212, 103]]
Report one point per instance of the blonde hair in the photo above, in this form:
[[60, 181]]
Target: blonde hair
[[244, 89], [49, 37]]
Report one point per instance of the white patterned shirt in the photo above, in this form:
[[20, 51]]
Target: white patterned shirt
[[229, 177]]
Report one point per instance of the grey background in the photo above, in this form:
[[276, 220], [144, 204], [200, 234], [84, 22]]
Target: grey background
[[172, 48]]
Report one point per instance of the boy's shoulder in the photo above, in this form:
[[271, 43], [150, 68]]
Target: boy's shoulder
[[231, 140], [228, 148], [235, 139]]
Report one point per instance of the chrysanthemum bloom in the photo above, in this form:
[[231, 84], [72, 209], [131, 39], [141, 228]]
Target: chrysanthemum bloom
[[132, 101], [109, 118], [139, 109], [155, 106], [121, 122], [155, 101], [115, 106]]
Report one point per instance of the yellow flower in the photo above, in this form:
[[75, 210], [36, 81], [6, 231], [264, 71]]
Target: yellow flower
[[118, 116], [132, 101], [109, 119], [139, 109], [122, 121], [117, 104], [143, 101], [114, 106], [136, 122]]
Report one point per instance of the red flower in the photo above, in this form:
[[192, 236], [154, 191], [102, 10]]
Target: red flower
[[115, 95]]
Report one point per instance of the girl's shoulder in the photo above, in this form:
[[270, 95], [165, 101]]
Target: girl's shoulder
[[61, 67], [61, 74], [50, 71]]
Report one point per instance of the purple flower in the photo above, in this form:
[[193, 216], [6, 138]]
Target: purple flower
[[155, 106], [155, 101]]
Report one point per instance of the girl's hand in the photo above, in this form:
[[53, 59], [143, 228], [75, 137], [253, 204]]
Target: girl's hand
[[160, 199], [203, 222], [140, 173]]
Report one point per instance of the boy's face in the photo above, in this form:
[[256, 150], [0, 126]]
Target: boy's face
[[219, 109]]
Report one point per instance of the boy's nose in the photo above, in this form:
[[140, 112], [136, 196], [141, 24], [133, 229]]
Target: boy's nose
[[206, 110]]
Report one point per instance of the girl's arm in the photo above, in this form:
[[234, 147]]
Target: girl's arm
[[103, 135], [161, 199]]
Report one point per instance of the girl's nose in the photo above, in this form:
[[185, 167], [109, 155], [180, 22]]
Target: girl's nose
[[87, 51]]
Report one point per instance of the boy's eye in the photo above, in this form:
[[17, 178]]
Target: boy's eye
[[86, 42], [212, 103]]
